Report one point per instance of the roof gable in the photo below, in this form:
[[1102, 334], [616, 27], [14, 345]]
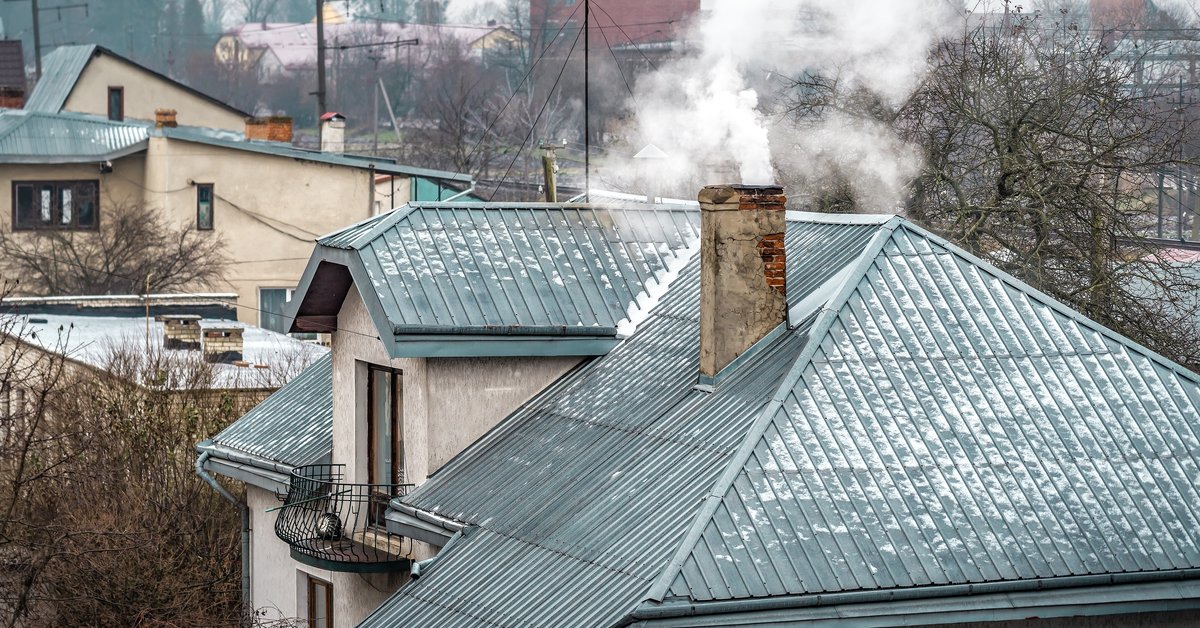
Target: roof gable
[[949, 426], [507, 271]]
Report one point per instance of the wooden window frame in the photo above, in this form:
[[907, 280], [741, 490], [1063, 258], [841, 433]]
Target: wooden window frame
[[311, 583], [55, 223], [212, 207], [119, 89], [380, 500]]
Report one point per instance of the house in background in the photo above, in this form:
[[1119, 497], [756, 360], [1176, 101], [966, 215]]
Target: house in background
[[13, 81], [444, 318], [167, 337], [265, 199], [94, 80], [880, 430]]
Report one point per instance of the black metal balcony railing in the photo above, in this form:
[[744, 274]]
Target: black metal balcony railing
[[338, 526]]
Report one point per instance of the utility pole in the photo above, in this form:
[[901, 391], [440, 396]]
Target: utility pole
[[549, 170], [587, 130], [320, 58]]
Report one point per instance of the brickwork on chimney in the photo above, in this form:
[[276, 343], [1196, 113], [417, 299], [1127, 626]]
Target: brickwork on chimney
[[165, 118], [743, 270], [12, 98], [223, 344], [271, 129], [181, 331]]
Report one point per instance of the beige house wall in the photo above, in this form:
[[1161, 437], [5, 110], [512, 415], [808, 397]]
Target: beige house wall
[[145, 92], [268, 210]]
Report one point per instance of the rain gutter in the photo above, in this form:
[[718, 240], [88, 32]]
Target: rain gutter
[[667, 610], [461, 194], [418, 524], [244, 511]]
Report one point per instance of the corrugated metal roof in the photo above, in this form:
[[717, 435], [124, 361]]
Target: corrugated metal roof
[[12, 65], [602, 474], [234, 140], [457, 266], [60, 71], [954, 427], [934, 421], [35, 137], [294, 426]]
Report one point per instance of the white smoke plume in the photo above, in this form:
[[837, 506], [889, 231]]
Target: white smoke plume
[[723, 101]]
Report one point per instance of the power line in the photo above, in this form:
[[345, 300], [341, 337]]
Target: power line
[[549, 96], [631, 42], [518, 88], [617, 62]]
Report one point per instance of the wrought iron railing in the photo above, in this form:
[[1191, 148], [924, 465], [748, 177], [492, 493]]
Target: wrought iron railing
[[339, 526]]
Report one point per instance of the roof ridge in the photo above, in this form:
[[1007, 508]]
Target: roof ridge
[[1049, 301], [824, 321]]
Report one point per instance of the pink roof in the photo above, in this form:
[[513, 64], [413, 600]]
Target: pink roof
[[295, 45]]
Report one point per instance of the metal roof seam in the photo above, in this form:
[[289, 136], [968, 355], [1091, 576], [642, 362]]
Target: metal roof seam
[[765, 417]]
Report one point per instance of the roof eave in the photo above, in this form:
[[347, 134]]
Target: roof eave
[[479, 346], [420, 525], [1097, 594], [248, 468], [75, 159]]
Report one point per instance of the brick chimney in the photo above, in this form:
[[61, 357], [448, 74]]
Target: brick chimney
[[181, 331], [12, 97], [742, 270], [271, 129], [222, 344], [165, 118], [333, 133]]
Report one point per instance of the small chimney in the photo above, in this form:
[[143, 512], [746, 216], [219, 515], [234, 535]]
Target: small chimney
[[743, 295], [333, 133], [223, 344], [270, 129], [12, 97], [181, 331], [165, 118]]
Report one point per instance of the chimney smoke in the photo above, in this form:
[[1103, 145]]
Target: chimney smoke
[[743, 270]]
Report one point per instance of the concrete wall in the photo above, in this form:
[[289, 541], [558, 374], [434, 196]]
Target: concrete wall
[[145, 92]]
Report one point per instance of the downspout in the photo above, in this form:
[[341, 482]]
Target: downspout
[[463, 193], [244, 511]]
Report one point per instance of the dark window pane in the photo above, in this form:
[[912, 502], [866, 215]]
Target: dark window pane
[[87, 195], [24, 206], [116, 103], [381, 411], [204, 206]]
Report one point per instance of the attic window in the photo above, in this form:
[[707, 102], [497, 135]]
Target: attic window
[[116, 103], [204, 206], [67, 205]]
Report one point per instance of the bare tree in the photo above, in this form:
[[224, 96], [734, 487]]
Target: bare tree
[[135, 249], [1038, 147]]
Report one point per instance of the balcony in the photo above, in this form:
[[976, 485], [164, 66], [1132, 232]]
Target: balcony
[[333, 525]]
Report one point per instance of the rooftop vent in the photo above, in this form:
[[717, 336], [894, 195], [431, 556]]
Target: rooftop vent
[[181, 331], [223, 344]]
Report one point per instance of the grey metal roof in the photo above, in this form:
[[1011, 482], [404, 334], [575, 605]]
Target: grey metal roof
[[506, 269], [60, 71], [35, 137], [12, 65], [230, 139], [930, 422], [294, 426]]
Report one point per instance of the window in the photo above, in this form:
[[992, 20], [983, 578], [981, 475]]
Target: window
[[385, 436], [116, 103], [204, 206], [55, 204], [320, 603], [271, 304]]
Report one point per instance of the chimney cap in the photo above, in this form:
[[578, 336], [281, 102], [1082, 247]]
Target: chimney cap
[[332, 115]]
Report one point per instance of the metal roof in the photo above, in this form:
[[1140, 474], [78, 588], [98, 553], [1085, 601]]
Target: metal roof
[[294, 426], [234, 140], [12, 65], [60, 71], [503, 269], [931, 422], [36, 137]]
